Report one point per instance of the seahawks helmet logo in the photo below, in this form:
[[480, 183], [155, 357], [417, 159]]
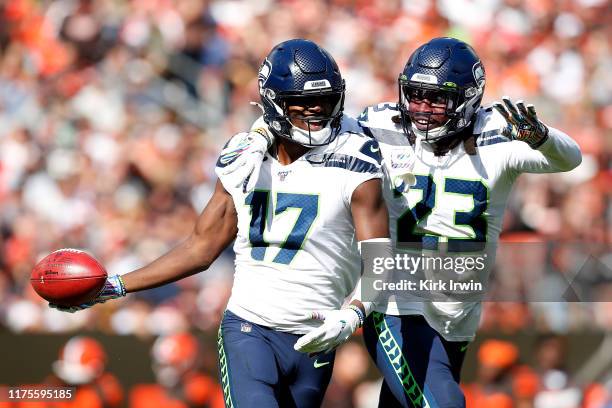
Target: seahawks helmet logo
[[479, 74], [264, 73]]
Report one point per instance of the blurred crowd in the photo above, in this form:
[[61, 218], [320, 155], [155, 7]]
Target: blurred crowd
[[112, 113]]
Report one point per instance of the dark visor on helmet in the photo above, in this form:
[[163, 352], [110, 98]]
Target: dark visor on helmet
[[433, 95], [329, 104]]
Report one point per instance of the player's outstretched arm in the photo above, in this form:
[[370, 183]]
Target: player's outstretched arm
[[371, 221], [215, 229]]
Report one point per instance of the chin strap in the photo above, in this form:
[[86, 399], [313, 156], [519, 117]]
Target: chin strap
[[447, 143], [307, 137], [436, 133]]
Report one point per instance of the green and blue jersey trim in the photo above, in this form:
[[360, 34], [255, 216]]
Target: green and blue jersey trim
[[491, 137], [343, 161]]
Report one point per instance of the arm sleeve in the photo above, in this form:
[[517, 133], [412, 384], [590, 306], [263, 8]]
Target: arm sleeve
[[559, 153]]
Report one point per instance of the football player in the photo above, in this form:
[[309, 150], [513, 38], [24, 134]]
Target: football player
[[449, 166], [317, 195]]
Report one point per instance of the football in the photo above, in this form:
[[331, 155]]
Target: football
[[68, 277]]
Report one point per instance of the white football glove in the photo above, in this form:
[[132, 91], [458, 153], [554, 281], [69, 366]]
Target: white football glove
[[337, 327], [523, 123], [240, 161], [113, 289]]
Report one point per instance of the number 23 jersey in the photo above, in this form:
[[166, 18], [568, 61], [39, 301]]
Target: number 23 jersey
[[295, 248], [456, 198]]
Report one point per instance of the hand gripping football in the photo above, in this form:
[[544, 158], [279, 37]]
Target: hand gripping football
[[68, 277]]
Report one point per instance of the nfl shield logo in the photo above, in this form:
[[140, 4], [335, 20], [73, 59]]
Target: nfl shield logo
[[245, 327], [282, 175]]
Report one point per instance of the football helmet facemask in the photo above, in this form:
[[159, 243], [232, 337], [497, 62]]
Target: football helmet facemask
[[300, 73], [448, 75]]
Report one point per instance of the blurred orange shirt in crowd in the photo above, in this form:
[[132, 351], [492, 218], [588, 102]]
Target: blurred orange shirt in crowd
[[198, 390], [477, 397]]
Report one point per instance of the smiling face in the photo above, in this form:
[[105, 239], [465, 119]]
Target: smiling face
[[310, 113], [427, 108]]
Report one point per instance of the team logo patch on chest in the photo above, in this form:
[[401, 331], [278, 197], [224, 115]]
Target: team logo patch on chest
[[401, 159]]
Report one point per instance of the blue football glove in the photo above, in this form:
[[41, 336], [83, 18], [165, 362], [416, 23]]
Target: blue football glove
[[113, 289], [523, 122]]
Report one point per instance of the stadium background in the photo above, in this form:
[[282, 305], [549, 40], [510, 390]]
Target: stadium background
[[112, 113]]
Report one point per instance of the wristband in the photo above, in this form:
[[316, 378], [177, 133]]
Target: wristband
[[122, 290], [115, 288], [360, 314]]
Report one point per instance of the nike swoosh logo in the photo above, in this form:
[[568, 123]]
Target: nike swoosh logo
[[319, 365], [373, 150], [463, 348]]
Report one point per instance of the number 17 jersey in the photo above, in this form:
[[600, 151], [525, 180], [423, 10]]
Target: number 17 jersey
[[295, 249]]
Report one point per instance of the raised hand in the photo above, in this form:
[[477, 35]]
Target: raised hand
[[523, 122]]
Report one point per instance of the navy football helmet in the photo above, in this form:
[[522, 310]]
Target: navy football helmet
[[300, 70], [448, 73]]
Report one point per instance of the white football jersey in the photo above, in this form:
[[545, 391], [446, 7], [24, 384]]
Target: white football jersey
[[296, 250], [455, 198]]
